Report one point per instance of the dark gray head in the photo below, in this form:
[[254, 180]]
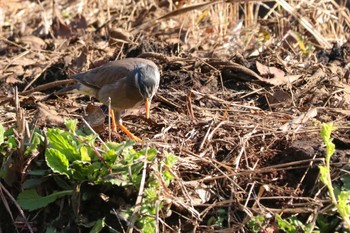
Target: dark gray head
[[147, 80]]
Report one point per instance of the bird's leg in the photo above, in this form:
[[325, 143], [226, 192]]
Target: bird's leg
[[148, 106], [122, 127], [111, 115]]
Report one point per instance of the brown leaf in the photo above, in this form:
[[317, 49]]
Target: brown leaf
[[17, 70], [78, 22], [299, 121], [60, 29], [276, 76], [269, 71], [80, 61], [278, 96], [33, 41], [47, 116], [95, 117], [12, 79], [120, 35], [23, 61], [277, 81]]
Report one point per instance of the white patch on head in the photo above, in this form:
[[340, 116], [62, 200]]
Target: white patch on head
[[136, 75], [158, 78]]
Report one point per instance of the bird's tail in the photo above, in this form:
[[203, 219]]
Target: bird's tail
[[78, 88], [69, 89]]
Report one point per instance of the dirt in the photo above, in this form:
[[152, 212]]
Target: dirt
[[238, 133]]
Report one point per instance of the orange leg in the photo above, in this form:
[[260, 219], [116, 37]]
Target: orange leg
[[122, 127]]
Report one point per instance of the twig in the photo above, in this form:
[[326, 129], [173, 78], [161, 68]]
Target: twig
[[39, 88], [94, 132], [2, 188], [48, 86]]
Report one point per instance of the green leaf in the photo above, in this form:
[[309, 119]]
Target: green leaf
[[32, 183], [256, 223], [117, 179], [151, 153], [10, 132], [344, 208], [84, 154], [37, 140], [57, 161], [99, 225], [38, 172], [324, 171], [170, 159], [12, 143], [167, 177], [110, 157], [330, 149], [346, 182], [149, 226], [71, 124], [2, 133], [30, 200], [65, 143], [326, 131], [51, 229], [117, 147]]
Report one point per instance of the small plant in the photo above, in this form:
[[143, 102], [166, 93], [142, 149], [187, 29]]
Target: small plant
[[291, 224], [340, 200], [219, 219], [77, 159], [256, 223]]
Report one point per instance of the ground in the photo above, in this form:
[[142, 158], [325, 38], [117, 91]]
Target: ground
[[240, 103]]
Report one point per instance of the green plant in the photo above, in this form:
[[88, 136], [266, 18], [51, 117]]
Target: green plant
[[218, 219], [76, 158], [256, 223], [291, 224], [338, 200]]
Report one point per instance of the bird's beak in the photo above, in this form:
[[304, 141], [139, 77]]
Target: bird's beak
[[148, 106]]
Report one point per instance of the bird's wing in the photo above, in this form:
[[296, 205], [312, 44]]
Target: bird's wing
[[111, 72], [106, 74]]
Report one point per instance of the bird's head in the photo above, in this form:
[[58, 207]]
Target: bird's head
[[147, 81]]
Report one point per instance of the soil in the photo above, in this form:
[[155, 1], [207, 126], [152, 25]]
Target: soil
[[246, 128]]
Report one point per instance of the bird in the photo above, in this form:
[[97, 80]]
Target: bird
[[127, 83]]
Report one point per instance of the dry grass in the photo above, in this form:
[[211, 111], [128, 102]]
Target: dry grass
[[245, 143]]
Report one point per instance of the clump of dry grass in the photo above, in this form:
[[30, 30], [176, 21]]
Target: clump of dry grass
[[246, 144]]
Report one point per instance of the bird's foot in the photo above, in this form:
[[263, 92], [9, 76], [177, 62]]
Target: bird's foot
[[130, 135]]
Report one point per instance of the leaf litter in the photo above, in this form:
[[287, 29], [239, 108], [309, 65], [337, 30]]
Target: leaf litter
[[240, 106]]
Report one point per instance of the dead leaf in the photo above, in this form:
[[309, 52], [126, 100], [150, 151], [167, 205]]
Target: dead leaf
[[23, 61], [12, 79], [298, 121], [279, 96], [33, 41], [78, 22], [81, 60], [278, 81], [95, 117], [17, 70], [119, 34], [47, 116], [269, 71], [278, 76], [60, 29]]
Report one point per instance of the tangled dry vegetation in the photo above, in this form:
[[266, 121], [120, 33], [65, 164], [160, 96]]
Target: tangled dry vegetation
[[244, 87]]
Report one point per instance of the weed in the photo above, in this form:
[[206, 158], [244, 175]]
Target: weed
[[76, 160], [340, 198]]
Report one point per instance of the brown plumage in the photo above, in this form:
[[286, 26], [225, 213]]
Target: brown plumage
[[129, 83]]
